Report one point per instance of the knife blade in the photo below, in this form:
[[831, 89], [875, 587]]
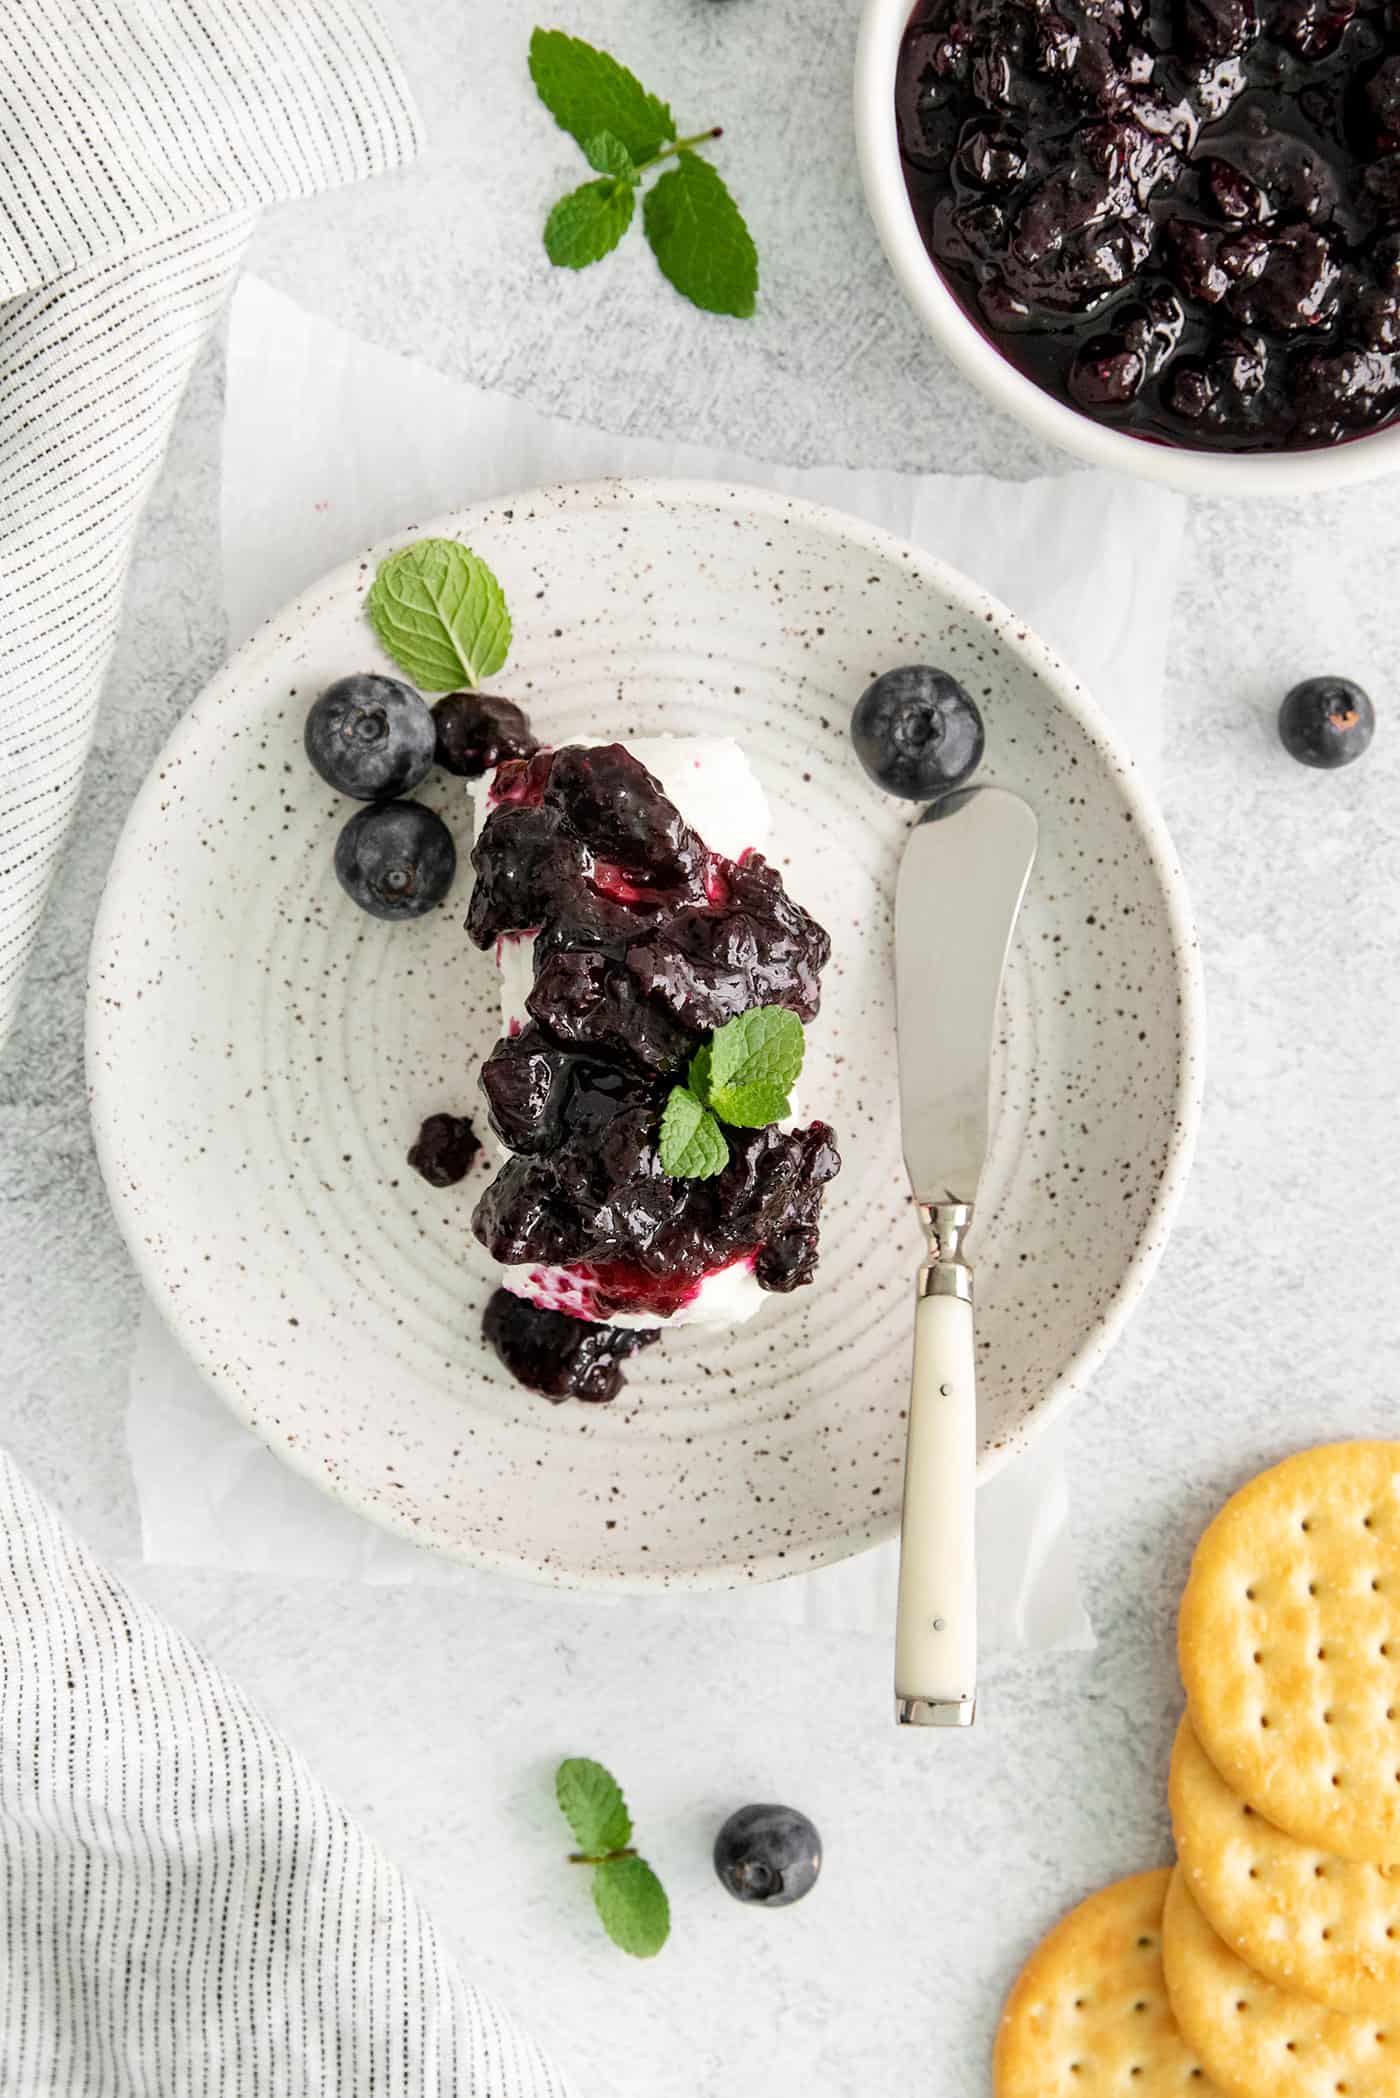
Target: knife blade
[[974, 850], [957, 899]]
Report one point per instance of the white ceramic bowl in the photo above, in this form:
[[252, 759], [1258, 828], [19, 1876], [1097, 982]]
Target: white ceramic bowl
[[1201, 473], [261, 1054]]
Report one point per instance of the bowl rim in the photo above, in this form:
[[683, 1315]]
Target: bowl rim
[[1360, 458], [740, 500]]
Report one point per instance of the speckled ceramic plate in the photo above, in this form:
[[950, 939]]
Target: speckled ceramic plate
[[261, 1055]]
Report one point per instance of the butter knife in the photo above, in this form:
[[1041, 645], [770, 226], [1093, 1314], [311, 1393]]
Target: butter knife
[[961, 881]]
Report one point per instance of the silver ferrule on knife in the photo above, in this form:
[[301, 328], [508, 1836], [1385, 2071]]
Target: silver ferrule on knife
[[945, 1273]]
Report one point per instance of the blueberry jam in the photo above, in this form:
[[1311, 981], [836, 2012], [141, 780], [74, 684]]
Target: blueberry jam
[[1181, 216], [476, 731], [646, 942], [444, 1150], [564, 1358]]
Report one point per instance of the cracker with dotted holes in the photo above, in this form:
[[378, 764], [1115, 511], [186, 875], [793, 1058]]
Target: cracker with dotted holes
[[1088, 2016], [1289, 1643], [1326, 1927], [1257, 2040]]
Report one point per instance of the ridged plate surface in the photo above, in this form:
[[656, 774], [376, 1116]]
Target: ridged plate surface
[[261, 1054]]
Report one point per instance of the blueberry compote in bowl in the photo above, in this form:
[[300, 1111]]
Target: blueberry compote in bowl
[[1163, 233]]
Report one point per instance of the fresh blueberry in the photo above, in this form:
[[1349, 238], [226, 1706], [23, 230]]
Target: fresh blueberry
[[371, 737], [396, 860], [917, 733], [770, 1855], [1326, 721], [476, 732]]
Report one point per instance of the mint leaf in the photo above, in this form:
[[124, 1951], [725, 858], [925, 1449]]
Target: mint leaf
[[692, 1143], [763, 1046], [587, 92], [698, 1078], [745, 1072], [632, 1903], [609, 156], [750, 1106], [588, 224], [440, 613], [699, 238], [591, 1801]]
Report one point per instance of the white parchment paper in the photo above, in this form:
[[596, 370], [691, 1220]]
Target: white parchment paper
[[330, 444]]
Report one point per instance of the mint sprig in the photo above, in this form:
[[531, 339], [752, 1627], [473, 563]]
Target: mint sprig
[[628, 1896], [696, 230], [744, 1076], [440, 613]]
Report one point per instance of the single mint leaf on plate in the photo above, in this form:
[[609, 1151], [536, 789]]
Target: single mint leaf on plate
[[610, 157], [591, 1801], [588, 224], [763, 1046], [751, 1106], [698, 1078], [698, 236], [586, 91], [632, 1903], [440, 614], [692, 1143]]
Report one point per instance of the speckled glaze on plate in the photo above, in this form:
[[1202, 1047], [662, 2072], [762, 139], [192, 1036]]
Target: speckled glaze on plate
[[261, 1054]]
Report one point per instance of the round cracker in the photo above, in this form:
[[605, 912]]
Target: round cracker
[[1289, 1642], [1257, 2040], [1326, 1927], [1088, 2016]]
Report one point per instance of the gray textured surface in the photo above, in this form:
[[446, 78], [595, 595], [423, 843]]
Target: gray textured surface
[[1270, 1324]]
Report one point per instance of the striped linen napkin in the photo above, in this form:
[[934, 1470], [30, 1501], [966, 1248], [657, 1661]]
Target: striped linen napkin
[[183, 1911], [137, 145]]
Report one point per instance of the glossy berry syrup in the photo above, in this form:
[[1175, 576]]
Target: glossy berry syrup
[[1181, 216], [646, 943], [564, 1358]]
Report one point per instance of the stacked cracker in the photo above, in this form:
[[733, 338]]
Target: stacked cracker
[[1267, 1964]]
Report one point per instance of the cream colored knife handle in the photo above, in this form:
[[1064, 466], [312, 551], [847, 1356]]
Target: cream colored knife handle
[[935, 1670]]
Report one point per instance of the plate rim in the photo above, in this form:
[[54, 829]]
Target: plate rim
[[745, 501]]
